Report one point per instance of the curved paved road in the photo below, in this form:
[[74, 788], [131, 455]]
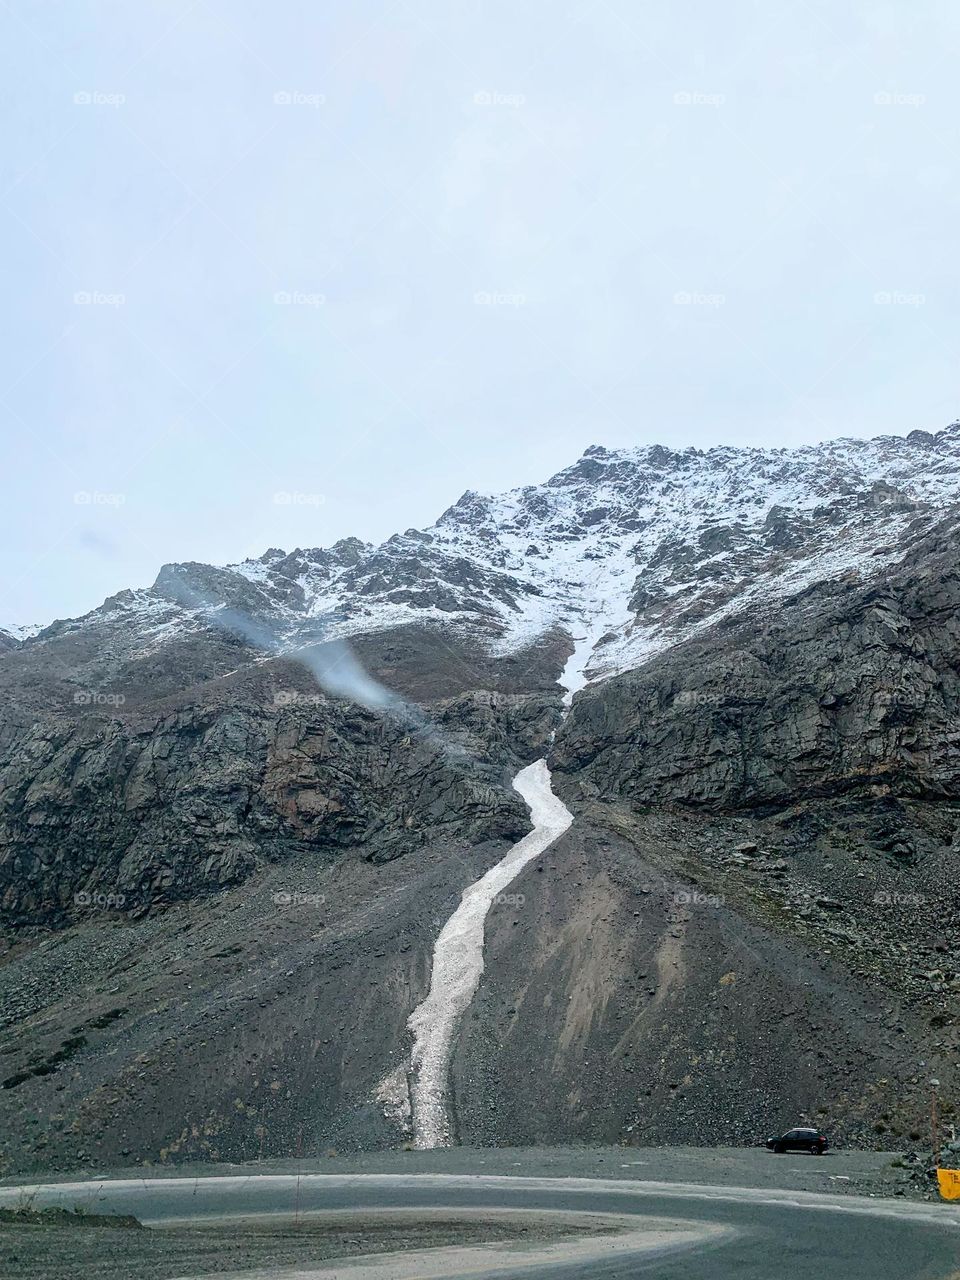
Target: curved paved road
[[765, 1233]]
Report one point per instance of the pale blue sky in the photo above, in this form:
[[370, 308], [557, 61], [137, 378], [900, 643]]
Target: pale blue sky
[[486, 216]]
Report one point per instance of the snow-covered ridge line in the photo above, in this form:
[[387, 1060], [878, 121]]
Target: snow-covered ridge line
[[648, 545], [652, 544]]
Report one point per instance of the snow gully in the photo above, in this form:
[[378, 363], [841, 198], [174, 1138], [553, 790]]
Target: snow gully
[[458, 950]]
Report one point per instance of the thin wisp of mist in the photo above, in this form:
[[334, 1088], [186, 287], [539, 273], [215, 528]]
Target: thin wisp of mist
[[338, 671]]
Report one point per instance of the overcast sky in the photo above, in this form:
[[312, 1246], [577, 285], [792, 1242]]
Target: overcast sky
[[280, 273]]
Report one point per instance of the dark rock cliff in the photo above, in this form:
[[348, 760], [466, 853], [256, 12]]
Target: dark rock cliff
[[847, 689], [194, 801]]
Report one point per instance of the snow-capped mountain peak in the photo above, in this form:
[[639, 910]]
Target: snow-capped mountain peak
[[628, 550]]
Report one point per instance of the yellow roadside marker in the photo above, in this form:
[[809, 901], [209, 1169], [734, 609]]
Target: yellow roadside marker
[[949, 1182]]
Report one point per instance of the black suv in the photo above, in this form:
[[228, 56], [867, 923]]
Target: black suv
[[811, 1140]]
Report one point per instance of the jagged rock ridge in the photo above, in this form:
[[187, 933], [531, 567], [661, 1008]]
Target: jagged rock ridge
[[639, 547]]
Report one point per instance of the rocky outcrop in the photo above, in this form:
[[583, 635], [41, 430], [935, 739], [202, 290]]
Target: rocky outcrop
[[164, 774], [155, 810], [848, 690]]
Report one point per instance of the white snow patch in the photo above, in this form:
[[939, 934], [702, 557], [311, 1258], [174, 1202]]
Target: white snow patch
[[23, 632], [574, 676], [253, 570]]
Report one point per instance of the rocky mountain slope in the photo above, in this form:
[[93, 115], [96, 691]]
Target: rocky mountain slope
[[236, 808]]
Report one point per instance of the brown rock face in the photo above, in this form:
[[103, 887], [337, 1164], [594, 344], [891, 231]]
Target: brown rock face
[[160, 787], [156, 811]]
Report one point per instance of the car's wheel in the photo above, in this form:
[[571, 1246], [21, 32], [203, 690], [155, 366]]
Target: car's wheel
[[816, 1151], [779, 1149]]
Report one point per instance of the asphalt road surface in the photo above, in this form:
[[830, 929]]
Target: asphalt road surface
[[688, 1231]]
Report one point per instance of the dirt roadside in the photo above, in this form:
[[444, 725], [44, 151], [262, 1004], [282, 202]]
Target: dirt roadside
[[56, 1251]]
